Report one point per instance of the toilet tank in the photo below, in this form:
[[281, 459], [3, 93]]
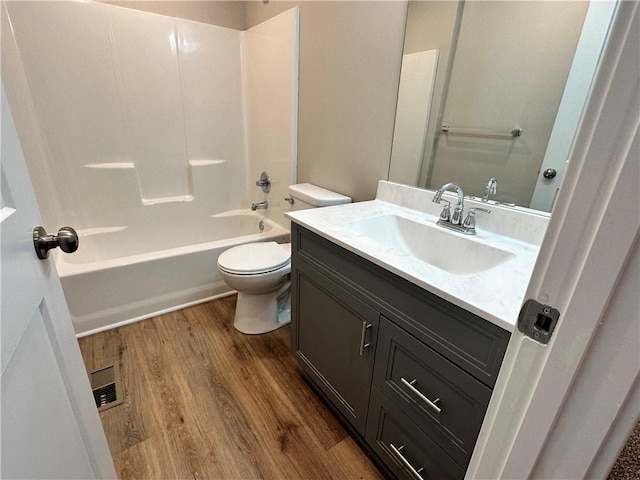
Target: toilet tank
[[306, 195]]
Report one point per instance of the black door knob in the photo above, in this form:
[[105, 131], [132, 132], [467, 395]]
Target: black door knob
[[549, 173], [66, 239]]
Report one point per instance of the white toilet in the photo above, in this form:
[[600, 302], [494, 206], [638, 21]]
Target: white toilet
[[260, 271]]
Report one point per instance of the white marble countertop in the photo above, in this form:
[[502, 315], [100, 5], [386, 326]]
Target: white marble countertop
[[495, 294]]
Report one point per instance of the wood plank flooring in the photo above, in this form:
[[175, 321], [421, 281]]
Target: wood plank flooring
[[205, 401]]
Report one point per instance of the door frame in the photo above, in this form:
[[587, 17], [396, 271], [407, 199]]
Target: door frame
[[589, 252]]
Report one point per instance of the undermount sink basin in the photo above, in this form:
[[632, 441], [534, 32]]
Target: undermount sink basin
[[431, 244]]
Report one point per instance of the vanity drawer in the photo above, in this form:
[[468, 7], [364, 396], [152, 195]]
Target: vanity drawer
[[439, 397], [403, 447], [469, 341]]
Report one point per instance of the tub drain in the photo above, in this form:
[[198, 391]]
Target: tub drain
[[105, 387]]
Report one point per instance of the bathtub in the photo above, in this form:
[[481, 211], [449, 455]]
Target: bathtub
[[120, 275]]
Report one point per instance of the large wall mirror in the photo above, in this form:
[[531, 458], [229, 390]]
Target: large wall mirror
[[495, 90]]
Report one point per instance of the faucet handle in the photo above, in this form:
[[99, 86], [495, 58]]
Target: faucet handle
[[264, 182], [445, 215], [470, 221], [479, 209], [458, 212]]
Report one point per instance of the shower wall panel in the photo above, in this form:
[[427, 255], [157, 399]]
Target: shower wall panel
[[146, 53], [270, 64], [73, 87], [212, 98], [136, 110]]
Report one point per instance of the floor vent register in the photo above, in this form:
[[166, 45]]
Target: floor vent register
[[105, 385]]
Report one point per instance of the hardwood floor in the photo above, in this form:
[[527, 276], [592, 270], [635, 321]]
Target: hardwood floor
[[205, 401]]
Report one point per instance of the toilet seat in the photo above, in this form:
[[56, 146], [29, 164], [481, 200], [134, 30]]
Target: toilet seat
[[254, 258]]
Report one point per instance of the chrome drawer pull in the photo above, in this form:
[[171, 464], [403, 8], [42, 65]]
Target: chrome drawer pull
[[363, 345], [415, 473], [432, 404]]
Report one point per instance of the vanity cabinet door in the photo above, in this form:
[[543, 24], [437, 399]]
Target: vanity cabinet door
[[333, 337]]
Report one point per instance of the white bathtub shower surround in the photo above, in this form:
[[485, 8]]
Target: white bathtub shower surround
[[494, 294], [137, 126], [132, 108], [122, 275], [110, 112]]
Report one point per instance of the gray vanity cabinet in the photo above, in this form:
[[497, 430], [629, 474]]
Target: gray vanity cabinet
[[409, 371]]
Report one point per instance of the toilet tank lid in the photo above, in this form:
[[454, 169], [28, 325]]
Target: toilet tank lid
[[317, 196]]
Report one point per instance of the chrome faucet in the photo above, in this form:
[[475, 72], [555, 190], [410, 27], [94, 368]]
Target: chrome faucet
[[490, 189], [455, 222], [259, 205], [456, 218]]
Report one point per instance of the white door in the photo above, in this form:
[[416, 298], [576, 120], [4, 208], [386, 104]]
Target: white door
[[49, 425], [583, 69]]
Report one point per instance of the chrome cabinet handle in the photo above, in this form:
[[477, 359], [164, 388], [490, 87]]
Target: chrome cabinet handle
[[432, 404], [363, 345], [66, 239], [414, 473]]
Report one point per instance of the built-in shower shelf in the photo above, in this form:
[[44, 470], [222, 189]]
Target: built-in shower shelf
[[156, 201], [120, 165], [6, 212], [111, 166], [98, 230], [204, 163]]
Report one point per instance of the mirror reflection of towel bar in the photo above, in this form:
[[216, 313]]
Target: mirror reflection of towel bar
[[477, 132]]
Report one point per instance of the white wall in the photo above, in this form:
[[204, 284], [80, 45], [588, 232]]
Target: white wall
[[227, 13], [350, 55]]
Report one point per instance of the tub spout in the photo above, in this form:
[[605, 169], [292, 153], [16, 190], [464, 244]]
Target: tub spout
[[259, 205]]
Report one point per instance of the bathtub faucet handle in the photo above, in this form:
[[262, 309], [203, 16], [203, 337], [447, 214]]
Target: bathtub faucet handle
[[264, 182]]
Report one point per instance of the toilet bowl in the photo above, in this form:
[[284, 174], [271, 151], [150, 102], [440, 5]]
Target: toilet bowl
[[260, 272]]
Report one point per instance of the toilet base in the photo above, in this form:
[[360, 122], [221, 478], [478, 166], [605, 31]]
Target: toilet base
[[263, 313]]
